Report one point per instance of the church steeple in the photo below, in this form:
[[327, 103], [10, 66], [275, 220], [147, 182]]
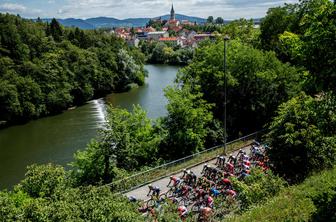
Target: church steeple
[[172, 13]]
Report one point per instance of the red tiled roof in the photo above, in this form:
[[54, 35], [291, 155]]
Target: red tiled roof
[[168, 39]]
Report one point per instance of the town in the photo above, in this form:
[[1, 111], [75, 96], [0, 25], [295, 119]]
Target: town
[[173, 32]]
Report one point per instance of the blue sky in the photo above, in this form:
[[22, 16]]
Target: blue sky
[[229, 9]]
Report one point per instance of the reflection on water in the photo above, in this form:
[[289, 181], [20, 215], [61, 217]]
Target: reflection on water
[[55, 139]]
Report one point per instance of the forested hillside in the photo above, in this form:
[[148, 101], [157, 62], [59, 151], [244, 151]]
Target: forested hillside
[[45, 68]]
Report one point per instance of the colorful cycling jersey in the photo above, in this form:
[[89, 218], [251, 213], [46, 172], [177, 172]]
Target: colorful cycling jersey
[[183, 211], [215, 192], [176, 180], [226, 181], [230, 167], [231, 193], [245, 167], [243, 175], [156, 190], [246, 157], [210, 202], [246, 162]]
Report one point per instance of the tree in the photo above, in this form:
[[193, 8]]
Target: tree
[[275, 23], [257, 83], [56, 30], [186, 124], [302, 136], [128, 141], [303, 34], [210, 19], [219, 20], [43, 180], [46, 68]]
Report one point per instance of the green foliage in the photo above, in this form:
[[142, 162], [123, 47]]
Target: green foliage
[[43, 180], [210, 19], [219, 20], [304, 34], [313, 200], [129, 141], [242, 30], [72, 204], [257, 83], [302, 136], [46, 68], [186, 124], [257, 188], [162, 53]]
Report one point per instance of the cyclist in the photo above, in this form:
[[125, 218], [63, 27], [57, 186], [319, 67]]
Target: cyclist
[[200, 193], [244, 174], [209, 202], [247, 163], [190, 177], [185, 190], [231, 193], [226, 183], [214, 192], [183, 212], [232, 159], [132, 199], [220, 161], [176, 181], [229, 167], [205, 213], [155, 190], [245, 157]]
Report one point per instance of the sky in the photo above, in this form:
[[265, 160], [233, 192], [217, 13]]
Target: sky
[[228, 9]]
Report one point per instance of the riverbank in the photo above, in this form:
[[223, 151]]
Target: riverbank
[[55, 138]]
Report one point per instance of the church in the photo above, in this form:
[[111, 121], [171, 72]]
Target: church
[[172, 22]]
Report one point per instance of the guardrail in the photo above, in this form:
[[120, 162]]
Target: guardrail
[[140, 179]]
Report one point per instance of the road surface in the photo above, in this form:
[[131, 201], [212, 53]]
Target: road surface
[[141, 192]]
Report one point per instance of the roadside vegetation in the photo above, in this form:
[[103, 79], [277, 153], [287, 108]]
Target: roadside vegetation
[[281, 79]]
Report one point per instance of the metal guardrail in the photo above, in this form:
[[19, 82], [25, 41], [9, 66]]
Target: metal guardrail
[[140, 179]]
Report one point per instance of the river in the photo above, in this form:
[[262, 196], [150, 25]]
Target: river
[[55, 139]]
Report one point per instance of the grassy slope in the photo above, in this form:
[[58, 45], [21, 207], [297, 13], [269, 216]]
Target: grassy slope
[[313, 200]]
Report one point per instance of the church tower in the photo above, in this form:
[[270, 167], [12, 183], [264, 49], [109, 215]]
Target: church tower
[[172, 13]]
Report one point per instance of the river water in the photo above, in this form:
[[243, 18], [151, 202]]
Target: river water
[[55, 139]]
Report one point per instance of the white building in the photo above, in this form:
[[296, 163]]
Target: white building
[[157, 35]]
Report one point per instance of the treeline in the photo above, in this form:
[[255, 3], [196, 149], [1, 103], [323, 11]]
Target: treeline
[[166, 53], [46, 68]]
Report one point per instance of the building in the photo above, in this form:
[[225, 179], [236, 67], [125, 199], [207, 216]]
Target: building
[[172, 13], [157, 35], [172, 40]]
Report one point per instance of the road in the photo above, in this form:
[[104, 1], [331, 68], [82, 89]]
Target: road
[[141, 192]]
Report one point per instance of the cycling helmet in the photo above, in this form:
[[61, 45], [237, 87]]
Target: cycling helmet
[[181, 208], [150, 186]]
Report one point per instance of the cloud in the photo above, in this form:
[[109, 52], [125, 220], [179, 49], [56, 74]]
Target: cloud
[[228, 9], [12, 7]]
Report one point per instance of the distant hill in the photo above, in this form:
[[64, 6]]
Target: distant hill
[[107, 22]]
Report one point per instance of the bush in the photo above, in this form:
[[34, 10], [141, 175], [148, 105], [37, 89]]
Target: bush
[[302, 136], [43, 180], [313, 200]]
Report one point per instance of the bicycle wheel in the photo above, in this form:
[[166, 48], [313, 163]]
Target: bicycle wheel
[[169, 193], [150, 203]]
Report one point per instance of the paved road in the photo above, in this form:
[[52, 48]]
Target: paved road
[[141, 192]]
